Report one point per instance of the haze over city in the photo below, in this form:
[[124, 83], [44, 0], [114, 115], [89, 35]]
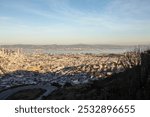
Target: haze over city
[[74, 22]]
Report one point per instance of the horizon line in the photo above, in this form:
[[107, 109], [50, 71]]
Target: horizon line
[[73, 44]]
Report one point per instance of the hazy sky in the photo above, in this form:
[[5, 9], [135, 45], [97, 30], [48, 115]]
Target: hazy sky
[[74, 21]]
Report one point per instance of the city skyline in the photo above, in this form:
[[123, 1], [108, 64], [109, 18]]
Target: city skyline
[[123, 22]]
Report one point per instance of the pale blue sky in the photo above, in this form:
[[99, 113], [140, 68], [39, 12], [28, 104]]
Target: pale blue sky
[[74, 21]]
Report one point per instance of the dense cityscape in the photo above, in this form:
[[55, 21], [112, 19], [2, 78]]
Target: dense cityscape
[[19, 68]]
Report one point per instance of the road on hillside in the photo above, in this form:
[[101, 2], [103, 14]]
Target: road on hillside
[[5, 94]]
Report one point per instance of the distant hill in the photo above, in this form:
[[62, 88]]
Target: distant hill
[[54, 46]]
